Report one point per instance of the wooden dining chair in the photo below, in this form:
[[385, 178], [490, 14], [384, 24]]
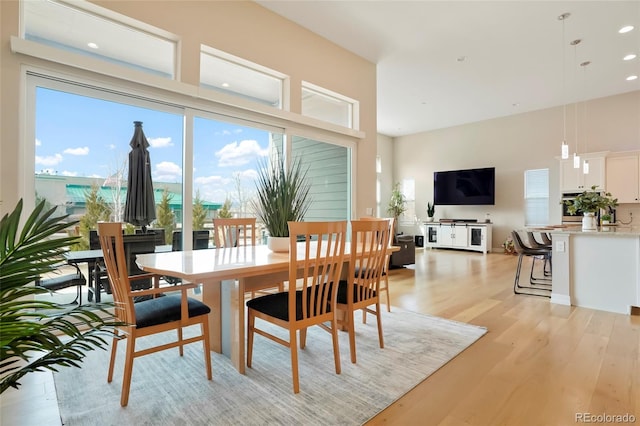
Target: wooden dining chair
[[315, 265], [155, 315], [234, 232], [361, 289], [384, 286]]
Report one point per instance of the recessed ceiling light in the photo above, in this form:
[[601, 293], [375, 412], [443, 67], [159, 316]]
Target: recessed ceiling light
[[625, 29], [632, 77], [92, 45], [629, 57], [225, 85], [515, 104], [461, 58]]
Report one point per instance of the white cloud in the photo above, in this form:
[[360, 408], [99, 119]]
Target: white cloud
[[77, 151], [238, 154], [111, 146], [160, 142], [249, 174], [38, 143], [211, 180], [166, 171], [50, 160], [68, 173]]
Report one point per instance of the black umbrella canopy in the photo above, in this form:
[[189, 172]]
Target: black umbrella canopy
[[140, 206]]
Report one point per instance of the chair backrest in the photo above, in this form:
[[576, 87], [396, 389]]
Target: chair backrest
[[369, 243], [319, 258], [391, 222], [200, 240], [234, 232], [112, 244], [519, 245]]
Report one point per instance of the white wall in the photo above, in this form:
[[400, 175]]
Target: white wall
[[512, 145]]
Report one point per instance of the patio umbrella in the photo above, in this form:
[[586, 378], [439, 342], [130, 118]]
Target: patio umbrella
[[140, 206]]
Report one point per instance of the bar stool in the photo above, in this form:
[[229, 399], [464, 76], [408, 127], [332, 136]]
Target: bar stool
[[537, 286]]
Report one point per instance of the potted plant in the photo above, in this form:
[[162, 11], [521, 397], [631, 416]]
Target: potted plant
[[605, 219], [589, 203], [431, 211], [282, 195], [397, 205], [38, 335]]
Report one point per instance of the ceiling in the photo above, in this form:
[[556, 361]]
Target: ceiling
[[446, 63]]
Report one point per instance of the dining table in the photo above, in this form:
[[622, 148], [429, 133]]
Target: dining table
[[226, 274]]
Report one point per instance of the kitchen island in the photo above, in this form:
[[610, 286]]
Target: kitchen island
[[597, 269]]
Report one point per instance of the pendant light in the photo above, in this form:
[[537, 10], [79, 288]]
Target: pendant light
[[576, 157], [585, 164], [565, 147]]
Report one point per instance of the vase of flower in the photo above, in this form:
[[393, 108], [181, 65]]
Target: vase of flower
[[589, 222]]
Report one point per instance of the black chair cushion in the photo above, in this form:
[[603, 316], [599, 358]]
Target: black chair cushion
[[61, 281], [277, 305], [343, 287], [166, 309]]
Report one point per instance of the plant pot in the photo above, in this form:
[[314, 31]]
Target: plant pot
[[589, 222], [430, 219], [278, 244]]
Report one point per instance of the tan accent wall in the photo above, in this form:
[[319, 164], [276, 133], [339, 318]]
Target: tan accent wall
[[241, 28], [512, 145]]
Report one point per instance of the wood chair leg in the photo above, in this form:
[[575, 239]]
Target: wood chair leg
[[386, 288], [251, 320], [181, 347], [336, 348], [112, 361], [379, 319], [293, 346], [303, 338], [128, 369], [348, 316], [206, 347]]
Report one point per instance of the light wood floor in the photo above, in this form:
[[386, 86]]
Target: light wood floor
[[539, 364]]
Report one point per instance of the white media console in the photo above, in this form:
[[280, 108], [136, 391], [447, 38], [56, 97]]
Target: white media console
[[462, 235]]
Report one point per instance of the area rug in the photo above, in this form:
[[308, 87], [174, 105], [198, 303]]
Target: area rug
[[169, 390]]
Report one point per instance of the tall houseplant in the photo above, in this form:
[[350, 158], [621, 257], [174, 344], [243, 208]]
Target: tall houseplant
[[38, 335], [282, 195], [397, 206]]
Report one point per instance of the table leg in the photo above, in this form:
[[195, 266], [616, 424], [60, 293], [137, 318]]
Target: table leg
[[237, 326], [211, 298], [96, 281]]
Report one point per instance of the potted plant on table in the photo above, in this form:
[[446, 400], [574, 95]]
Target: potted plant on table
[[35, 334], [431, 211], [282, 195], [589, 203]]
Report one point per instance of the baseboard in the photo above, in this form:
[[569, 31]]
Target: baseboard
[[560, 299]]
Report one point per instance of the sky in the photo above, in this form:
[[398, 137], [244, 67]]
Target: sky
[[89, 137]]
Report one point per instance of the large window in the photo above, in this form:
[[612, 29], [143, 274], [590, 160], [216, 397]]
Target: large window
[[536, 197], [329, 175], [226, 156]]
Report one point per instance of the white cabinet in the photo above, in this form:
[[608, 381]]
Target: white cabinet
[[574, 180], [623, 178], [464, 236], [452, 235]]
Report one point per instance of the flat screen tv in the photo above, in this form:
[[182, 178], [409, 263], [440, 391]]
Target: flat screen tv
[[464, 187]]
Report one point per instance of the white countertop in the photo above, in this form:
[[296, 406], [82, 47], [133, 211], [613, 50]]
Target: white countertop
[[603, 231]]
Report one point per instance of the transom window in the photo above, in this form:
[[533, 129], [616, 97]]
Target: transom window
[[83, 28], [226, 73], [328, 106]]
